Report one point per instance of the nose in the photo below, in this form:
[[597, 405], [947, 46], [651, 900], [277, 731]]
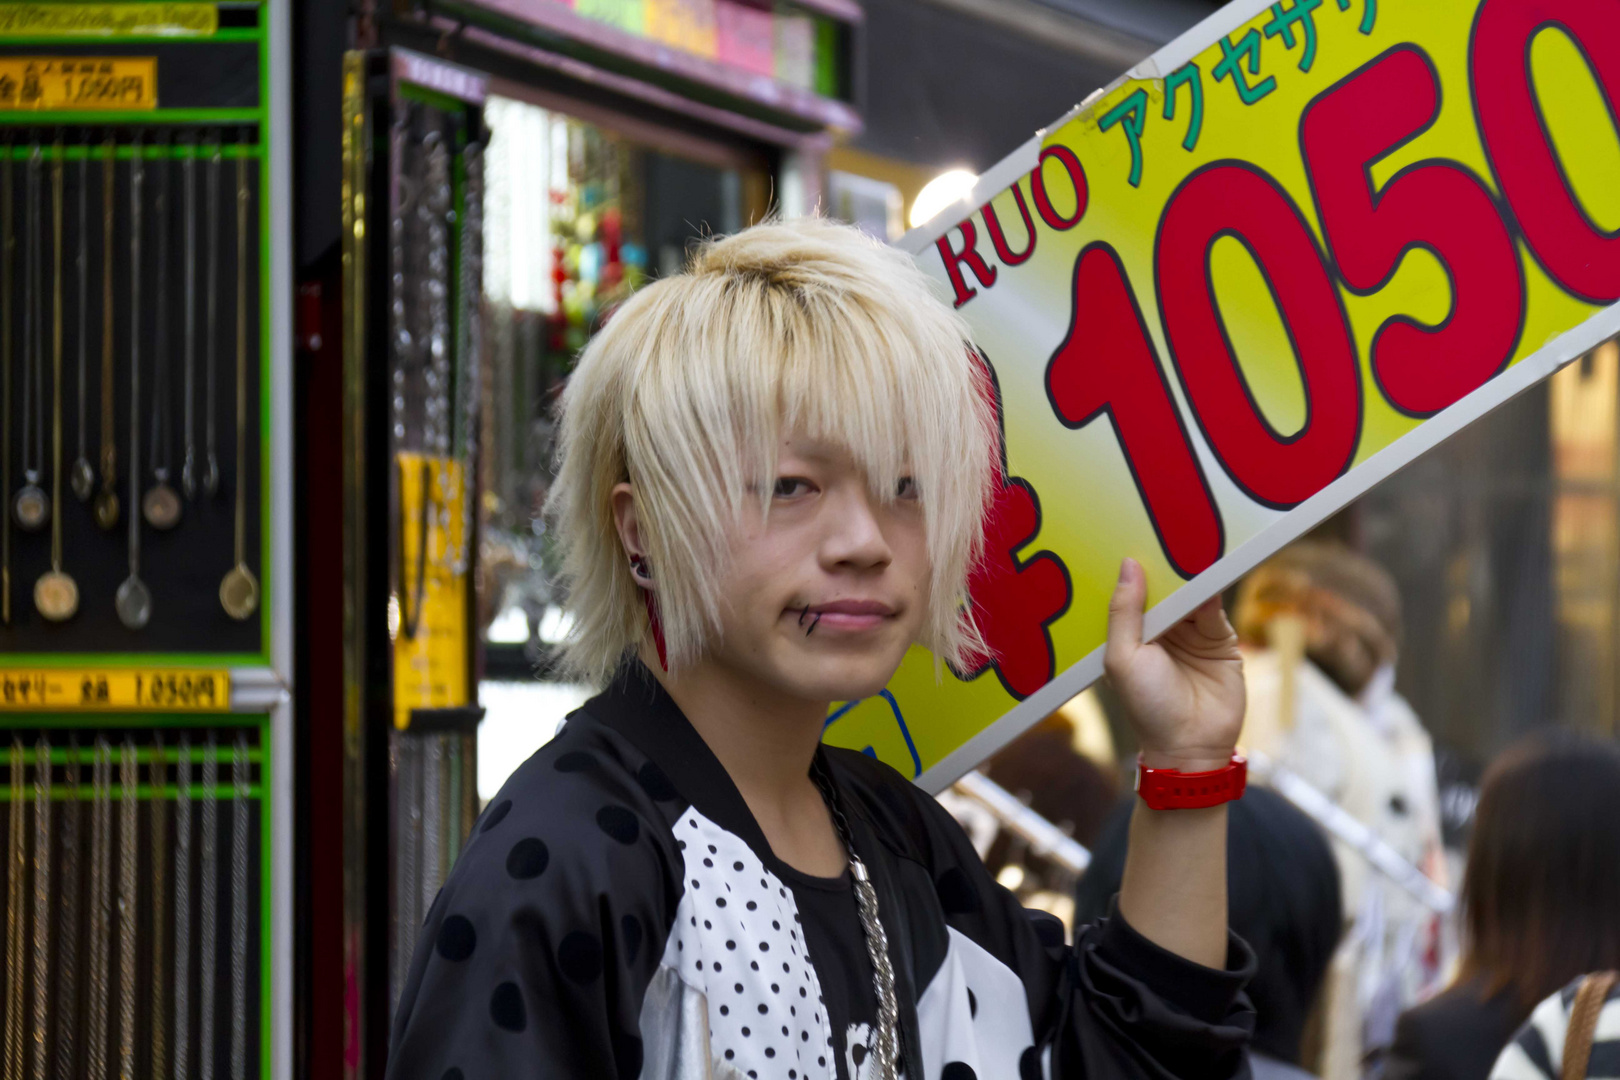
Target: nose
[[854, 534]]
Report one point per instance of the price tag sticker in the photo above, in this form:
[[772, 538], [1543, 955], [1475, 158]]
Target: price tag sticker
[[130, 690], [71, 83]]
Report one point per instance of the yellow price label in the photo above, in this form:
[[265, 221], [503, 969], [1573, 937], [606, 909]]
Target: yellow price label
[[169, 690], [429, 614], [108, 20], [56, 83]]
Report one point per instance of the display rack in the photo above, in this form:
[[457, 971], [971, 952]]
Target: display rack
[[145, 554]]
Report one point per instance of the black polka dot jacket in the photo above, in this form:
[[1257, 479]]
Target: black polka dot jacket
[[618, 914]]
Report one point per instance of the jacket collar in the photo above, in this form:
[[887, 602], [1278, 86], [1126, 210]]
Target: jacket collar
[[638, 707]]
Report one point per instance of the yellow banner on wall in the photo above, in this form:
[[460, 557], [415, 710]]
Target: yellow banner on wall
[[1278, 260], [94, 83], [428, 611], [108, 20]]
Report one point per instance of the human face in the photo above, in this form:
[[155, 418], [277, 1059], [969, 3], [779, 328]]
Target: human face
[[825, 594]]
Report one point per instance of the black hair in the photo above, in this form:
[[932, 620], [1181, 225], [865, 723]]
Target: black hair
[[1282, 898], [1541, 895]]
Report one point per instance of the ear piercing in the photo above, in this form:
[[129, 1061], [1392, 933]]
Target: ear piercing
[[640, 567]]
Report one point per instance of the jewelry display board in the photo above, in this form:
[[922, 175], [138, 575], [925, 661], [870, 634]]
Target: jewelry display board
[[132, 281], [145, 555]]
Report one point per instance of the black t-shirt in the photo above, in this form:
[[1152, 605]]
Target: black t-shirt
[[832, 932]]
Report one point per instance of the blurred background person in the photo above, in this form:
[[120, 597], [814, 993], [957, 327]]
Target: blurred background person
[[1540, 903], [1322, 626], [1283, 899]]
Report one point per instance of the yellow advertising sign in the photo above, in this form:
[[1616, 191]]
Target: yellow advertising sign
[[55, 83], [428, 620], [1275, 262], [108, 20], [99, 690]]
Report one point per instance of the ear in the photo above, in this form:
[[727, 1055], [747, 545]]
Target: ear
[[629, 526]]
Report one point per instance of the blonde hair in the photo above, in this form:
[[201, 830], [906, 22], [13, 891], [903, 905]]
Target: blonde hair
[[686, 392]]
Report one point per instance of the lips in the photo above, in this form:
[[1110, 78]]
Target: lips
[[849, 616], [852, 607]]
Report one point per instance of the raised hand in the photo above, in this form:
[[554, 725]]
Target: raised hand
[[1184, 692]]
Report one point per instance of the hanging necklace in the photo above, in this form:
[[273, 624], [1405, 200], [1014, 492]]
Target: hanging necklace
[[157, 771], [7, 243], [182, 911], [210, 478], [407, 359], [469, 352], [56, 595], [128, 913], [100, 903], [32, 506], [239, 589], [83, 477], [239, 893], [884, 1050], [433, 219], [210, 904], [42, 903], [67, 962], [188, 465], [15, 872], [134, 599], [106, 505], [161, 506]]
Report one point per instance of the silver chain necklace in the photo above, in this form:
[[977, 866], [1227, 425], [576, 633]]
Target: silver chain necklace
[[100, 902], [128, 914], [42, 904], [67, 987], [210, 903], [239, 905], [182, 911], [885, 1049]]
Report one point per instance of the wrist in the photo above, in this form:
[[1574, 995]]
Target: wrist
[[1187, 760]]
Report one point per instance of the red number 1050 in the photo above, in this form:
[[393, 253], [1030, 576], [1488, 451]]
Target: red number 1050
[[1107, 364]]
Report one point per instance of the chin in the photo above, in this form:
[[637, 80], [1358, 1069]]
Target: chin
[[842, 677]]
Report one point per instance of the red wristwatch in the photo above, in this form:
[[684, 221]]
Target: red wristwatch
[[1171, 789]]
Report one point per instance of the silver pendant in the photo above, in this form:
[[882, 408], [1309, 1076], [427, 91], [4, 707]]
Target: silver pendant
[[134, 603], [83, 479]]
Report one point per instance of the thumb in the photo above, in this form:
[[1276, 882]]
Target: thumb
[[1125, 613]]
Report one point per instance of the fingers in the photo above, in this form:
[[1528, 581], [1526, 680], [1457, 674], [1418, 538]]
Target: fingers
[[1210, 620], [1125, 614]]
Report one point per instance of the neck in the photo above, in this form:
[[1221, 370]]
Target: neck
[[764, 738]]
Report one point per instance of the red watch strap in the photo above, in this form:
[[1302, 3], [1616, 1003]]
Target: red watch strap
[[1171, 789]]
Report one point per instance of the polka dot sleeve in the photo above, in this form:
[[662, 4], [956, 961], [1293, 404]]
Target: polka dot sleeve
[[538, 952]]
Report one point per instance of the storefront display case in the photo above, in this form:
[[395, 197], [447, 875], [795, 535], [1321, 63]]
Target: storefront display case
[[145, 556], [511, 172]]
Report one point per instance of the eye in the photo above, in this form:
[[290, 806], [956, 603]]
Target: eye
[[906, 488], [788, 487]]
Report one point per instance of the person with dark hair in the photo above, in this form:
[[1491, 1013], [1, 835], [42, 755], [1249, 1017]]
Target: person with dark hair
[[1283, 899], [1540, 903]]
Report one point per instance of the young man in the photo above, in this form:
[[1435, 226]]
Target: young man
[[773, 473]]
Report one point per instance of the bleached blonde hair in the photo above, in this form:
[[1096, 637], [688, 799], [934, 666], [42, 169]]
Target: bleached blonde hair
[[801, 325]]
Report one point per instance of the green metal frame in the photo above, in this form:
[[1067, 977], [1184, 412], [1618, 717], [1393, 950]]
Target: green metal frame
[[261, 722]]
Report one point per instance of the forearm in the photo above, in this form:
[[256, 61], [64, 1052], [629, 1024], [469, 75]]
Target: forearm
[[1174, 889]]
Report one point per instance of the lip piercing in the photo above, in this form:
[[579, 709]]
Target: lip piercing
[[803, 613], [813, 625]]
